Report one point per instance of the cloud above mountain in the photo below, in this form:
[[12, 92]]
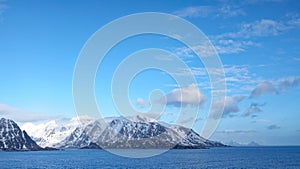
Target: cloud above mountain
[[24, 116], [178, 97], [142, 103], [230, 104]]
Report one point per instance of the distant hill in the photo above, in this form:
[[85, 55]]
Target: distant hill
[[234, 143]]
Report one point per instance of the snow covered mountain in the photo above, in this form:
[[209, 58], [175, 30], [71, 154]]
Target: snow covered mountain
[[53, 132], [12, 138], [132, 132]]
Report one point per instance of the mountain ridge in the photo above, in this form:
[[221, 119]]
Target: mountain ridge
[[12, 138], [120, 132]]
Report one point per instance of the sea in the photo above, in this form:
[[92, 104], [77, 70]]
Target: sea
[[225, 157]]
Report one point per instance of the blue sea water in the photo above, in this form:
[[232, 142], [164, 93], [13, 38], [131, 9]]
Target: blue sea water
[[230, 157]]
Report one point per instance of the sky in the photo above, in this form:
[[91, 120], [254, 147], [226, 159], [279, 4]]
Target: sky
[[256, 41]]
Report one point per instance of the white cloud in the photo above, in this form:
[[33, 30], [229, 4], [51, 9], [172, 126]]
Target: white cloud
[[236, 76], [142, 103], [218, 45], [259, 28], [3, 7], [263, 88], [294, 22], [238, 70], [262, 28], [191, 95], [230, 104], [254, 108], [195, 11], [5, 109], [232, 46], [230, 11], [152, 115], [293, 19], [238, 41], [289, 82], [19, 115], [224, 11], [205, 49], [278, 85], [164, 57]]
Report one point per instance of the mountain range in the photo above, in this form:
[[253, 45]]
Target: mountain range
[[83, 132]]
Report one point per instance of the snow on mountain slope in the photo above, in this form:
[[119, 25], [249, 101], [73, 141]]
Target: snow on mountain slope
[[52, 132], [12, 138], [126, 133], [118, 132]]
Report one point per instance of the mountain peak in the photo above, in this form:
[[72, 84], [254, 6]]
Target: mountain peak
[[12, 138], [141, 118]]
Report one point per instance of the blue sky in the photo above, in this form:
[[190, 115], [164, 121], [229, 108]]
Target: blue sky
[[257, 42]]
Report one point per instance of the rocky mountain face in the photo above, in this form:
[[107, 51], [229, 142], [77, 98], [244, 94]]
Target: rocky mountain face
[[12, 138], [135, 132]]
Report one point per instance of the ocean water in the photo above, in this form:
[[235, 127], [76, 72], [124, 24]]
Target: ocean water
[[230, 157]]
